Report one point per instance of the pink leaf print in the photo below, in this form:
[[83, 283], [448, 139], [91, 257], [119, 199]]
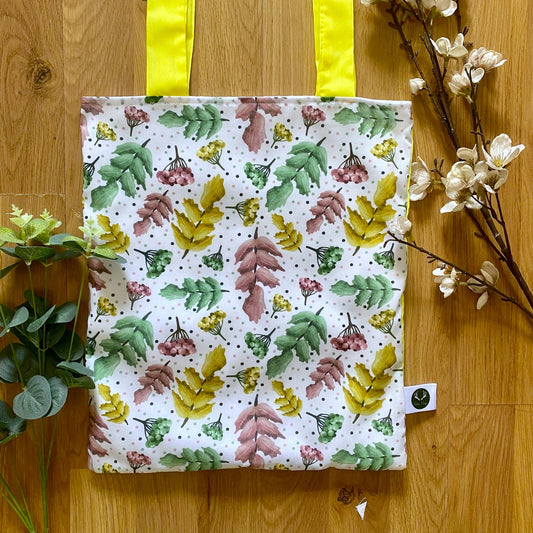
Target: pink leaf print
[[254, 305], [255, 134], [96, 435], [157, 378], [258, 429], [328, 372], [330, 205], [156, 207], [257, 260]]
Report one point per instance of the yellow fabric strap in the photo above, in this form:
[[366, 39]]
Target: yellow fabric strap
[[334, 34], [169, 43]]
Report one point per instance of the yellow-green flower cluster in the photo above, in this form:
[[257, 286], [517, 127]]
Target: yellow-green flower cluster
[[383, 321], [249, 382], [212, 152], [281, 133], [103, 131], [247, 210], [105, 308], [279, 466], [213, 323], [247, 378], [280, 304], [386, 150], [108, 469]]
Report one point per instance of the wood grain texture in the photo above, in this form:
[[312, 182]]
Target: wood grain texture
[[469, 466]]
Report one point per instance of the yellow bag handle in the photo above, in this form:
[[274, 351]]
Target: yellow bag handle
[[170, 37], [334, 57], [169, 43]]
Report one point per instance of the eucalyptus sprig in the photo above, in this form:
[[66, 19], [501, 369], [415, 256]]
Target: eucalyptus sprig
[[473, 183], [44, 356]]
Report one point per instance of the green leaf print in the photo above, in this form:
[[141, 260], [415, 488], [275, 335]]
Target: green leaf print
[[131, 340], [376, 290], [302, 337], [128, 169], [202, 121], [204, 459], [199, 294], [372, 119], [376, 457], [304, 167]]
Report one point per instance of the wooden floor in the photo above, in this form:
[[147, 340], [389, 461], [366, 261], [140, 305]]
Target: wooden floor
[[470, 463]]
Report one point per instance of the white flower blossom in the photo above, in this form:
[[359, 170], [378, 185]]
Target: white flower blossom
[[460, 84], [465, 175], [494, 179], [448, 50], [490, 275], [485, 59], [416, 85], [445, 8], [399, 226], [447, 278], [460, 200], [468, 154], [420, 180], [502, 152]]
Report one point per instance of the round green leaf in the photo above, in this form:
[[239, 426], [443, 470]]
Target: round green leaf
[[64, 313], [34, 401], [63, 348], [14, 424], [77, 368], [26, 362], [59, 392]]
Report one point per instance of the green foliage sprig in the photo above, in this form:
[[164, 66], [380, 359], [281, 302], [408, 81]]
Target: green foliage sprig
[[44, 355]]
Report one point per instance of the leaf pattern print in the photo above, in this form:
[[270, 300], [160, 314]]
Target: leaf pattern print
[[156, 208], [365, 228], [193, 461], [289, 238], [193, 399], [376, 457], [258, 259], [288, 403], [305, 334], [96, 436], [198, 294], [328, 372], [130, 341], [257, 425], [365, 392], [250, 110], [114, 409], [156, 379], [308, 161], [373, 119], [372, 290], [329, 206], [193, 230], [128, 170], [113, 236], [199, 122]]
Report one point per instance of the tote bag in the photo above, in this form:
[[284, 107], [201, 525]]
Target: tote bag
[[256, 320]]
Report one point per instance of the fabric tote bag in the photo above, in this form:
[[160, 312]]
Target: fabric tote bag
[[256, 320]]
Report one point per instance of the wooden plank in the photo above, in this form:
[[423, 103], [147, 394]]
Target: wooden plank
[[31, 92], [479, 469], [522, 473]]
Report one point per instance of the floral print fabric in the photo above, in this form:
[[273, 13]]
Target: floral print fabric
[[256, 319]]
